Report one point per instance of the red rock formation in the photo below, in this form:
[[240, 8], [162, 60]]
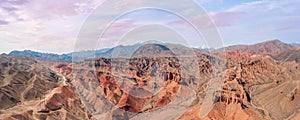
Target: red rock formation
[[252, 87], [132, 89]]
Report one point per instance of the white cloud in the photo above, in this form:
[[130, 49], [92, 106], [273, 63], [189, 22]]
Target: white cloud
[[268, 5]]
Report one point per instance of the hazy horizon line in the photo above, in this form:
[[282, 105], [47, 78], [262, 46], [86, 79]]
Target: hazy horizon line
[[229, 45]]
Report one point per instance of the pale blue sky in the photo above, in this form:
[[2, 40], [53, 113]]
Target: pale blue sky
[[53, 26]]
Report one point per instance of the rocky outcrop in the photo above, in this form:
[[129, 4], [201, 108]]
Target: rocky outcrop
[[134, 84], [255, 87]]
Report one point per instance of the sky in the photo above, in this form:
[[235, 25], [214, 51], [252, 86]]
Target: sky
[[63, 26]]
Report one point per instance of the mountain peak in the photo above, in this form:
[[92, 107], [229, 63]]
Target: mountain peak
[[152, 49], [275, 41], [151, 42]]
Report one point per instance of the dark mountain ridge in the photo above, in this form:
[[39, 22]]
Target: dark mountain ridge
[[275, 48]]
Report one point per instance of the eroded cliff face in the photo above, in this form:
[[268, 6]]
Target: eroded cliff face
[[255, 87], [252, 87], [139, 84]]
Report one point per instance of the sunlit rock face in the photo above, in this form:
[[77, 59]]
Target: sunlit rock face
[[139, 84], [148, 79]]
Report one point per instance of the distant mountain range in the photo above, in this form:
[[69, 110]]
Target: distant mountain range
[[41, 56], [275, 48], [118, 51], [74, 56]]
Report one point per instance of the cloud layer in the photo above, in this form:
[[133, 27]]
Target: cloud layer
[[52, 26]]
